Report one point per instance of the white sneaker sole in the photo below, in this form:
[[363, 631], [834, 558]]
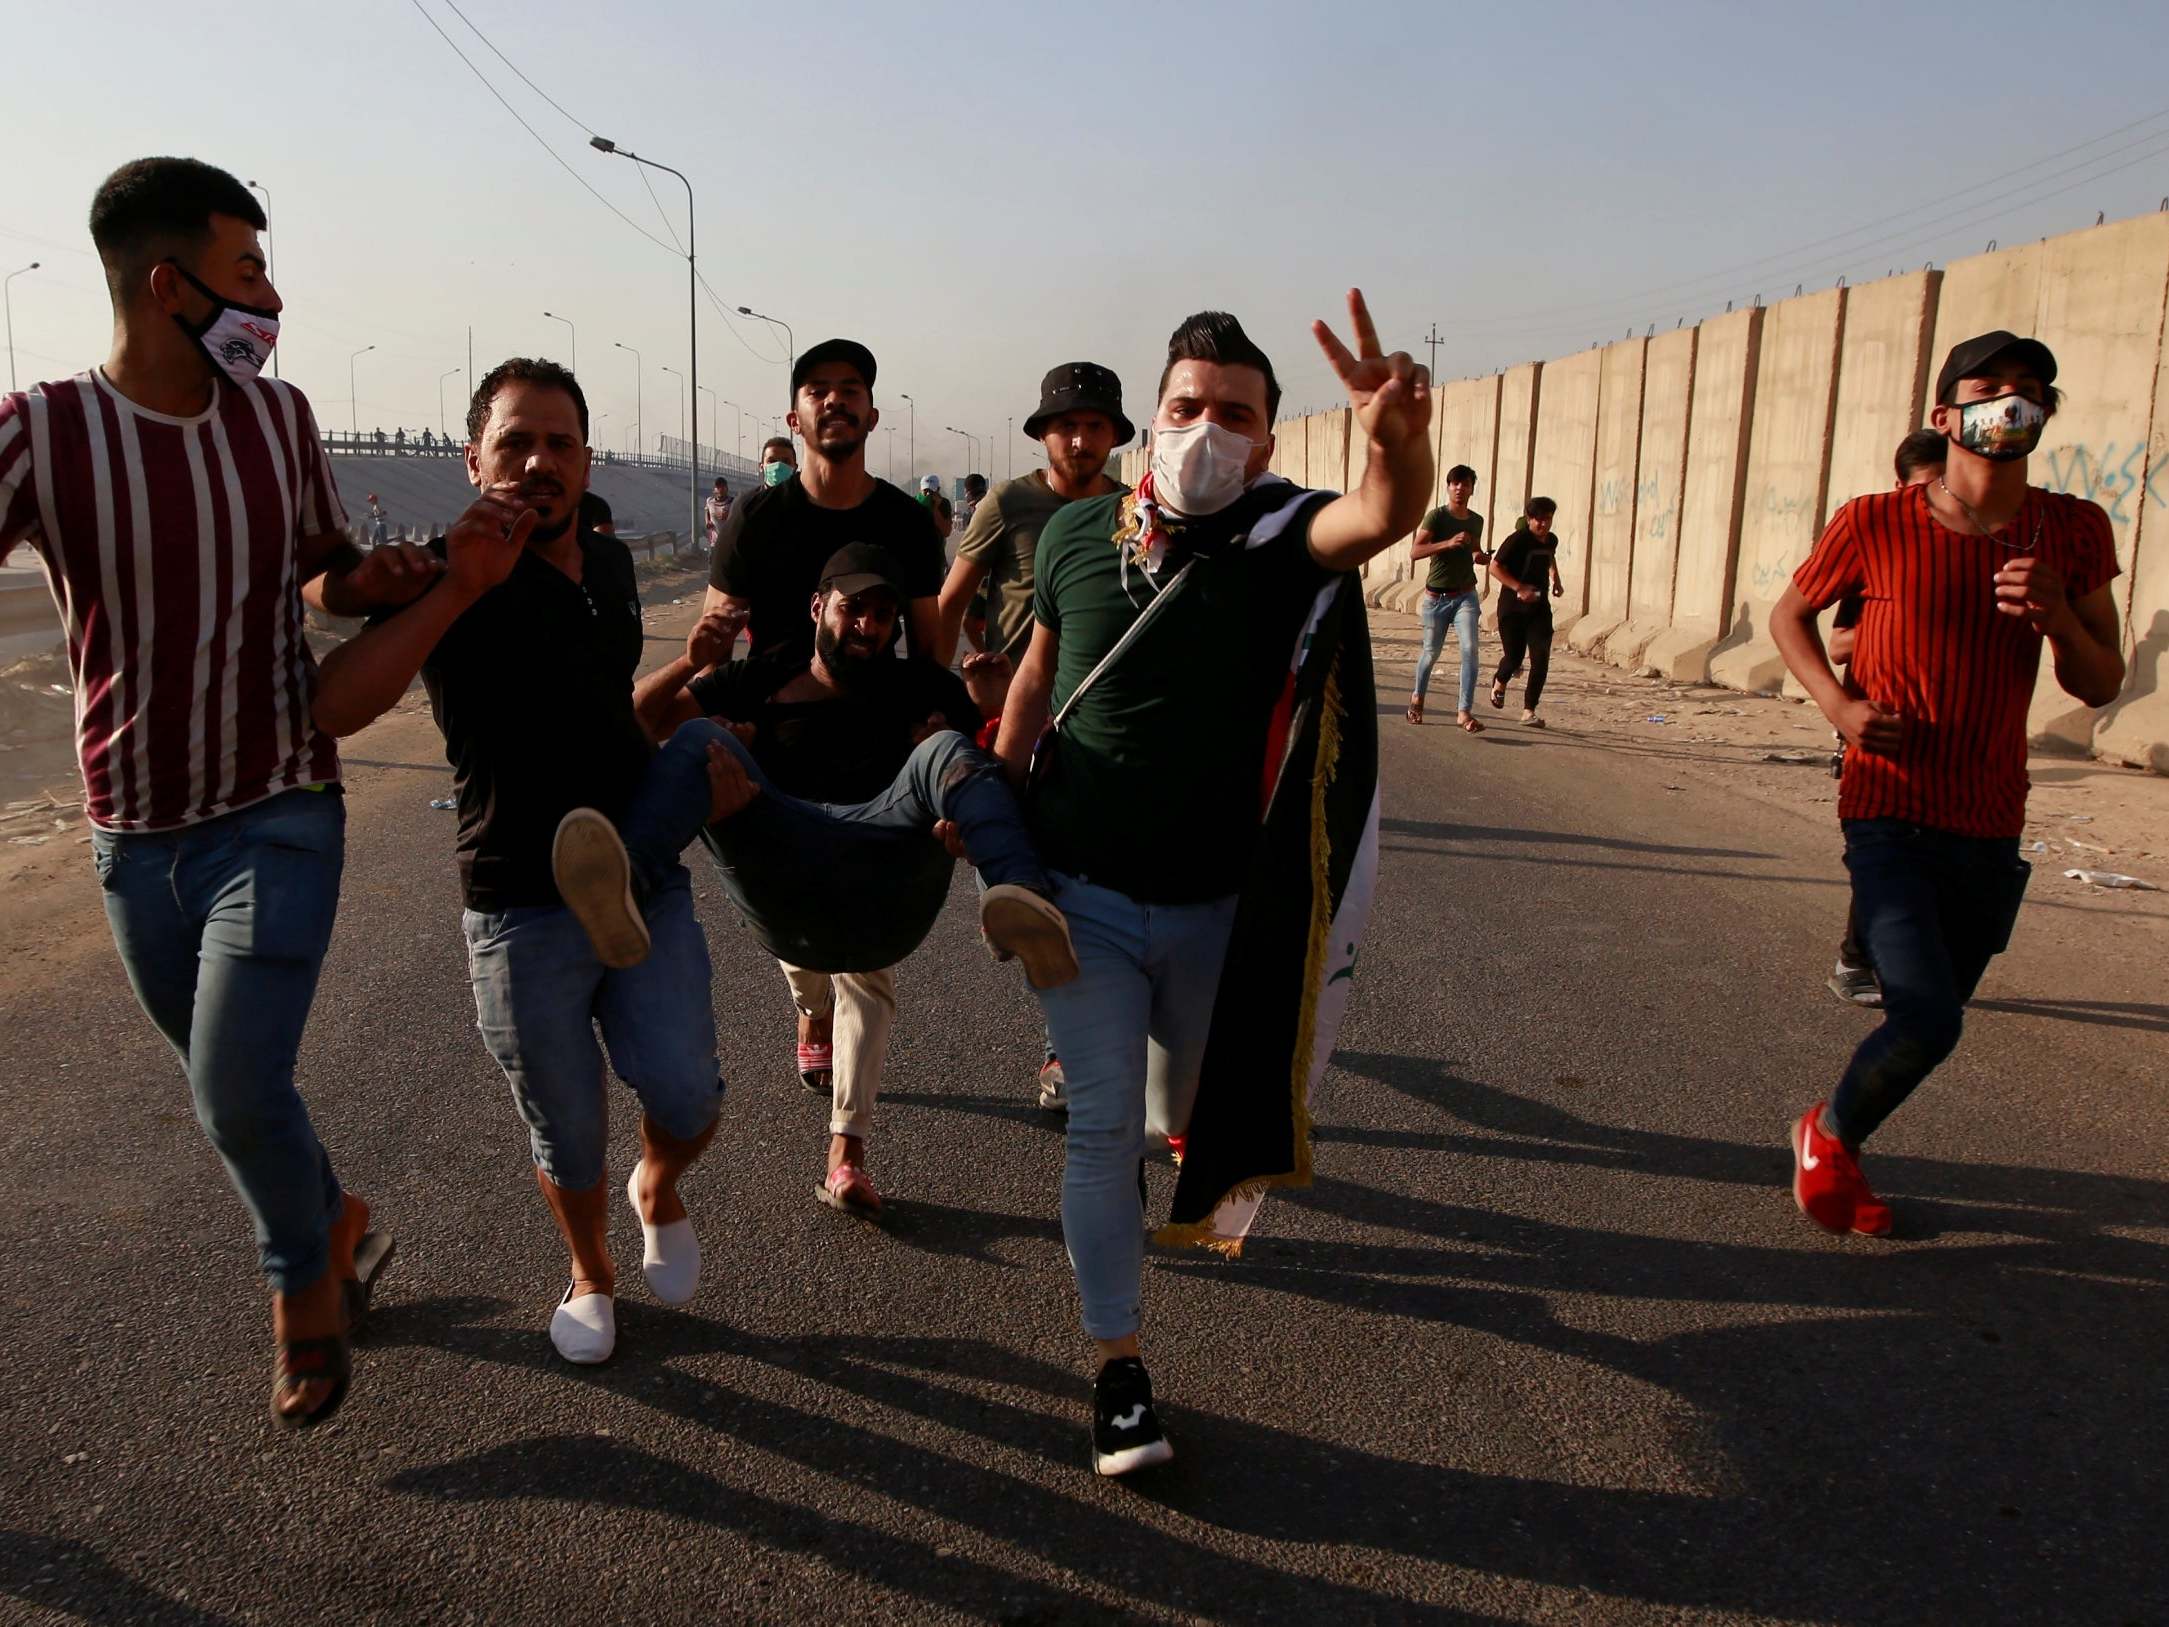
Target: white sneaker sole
[[595, 878], [1018, 923], [1132, 1457]]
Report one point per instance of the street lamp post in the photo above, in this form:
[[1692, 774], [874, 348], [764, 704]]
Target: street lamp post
[[1009, 450], [353, 414], [603, 144], [715, 421], [790, 345], [911, 442], [8, 301], [680, 377], [968, 444], [888, 466], [271, 258], [574, 362], [441, 377], [639, 427], [734, 407]]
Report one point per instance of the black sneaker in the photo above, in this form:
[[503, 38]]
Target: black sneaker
[[1125, 1430]]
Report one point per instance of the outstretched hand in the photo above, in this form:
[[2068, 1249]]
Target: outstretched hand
[[484, 544], [1391, 395]]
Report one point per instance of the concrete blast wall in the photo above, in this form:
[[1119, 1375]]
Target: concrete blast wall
[[1709, 521], [1788, 458], [1564, 469], [1325, 459], [1668, 374], [2135, 727], [1291, 446], [1515, 445], [1611, 521]]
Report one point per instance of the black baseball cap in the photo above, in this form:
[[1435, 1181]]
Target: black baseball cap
[[1080, 387], [848, 351], [857, 566], [1971, 358]]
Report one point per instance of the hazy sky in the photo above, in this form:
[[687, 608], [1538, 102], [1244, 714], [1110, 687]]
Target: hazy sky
[[979, 192]]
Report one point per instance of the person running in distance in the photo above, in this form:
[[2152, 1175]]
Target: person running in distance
[[1965, 578], [1525, 564], [1919, 459], [217, 823], [1451, 538]]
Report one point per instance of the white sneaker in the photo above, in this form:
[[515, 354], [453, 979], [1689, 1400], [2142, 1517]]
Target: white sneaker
[[671, 1260], [585, 1330], [1053, 1086]]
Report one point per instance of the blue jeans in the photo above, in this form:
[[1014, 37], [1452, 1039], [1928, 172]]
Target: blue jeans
[[1437, 610], [836, 887], [222, 928], [1131, 1032], [1933, 909], [540, 994]]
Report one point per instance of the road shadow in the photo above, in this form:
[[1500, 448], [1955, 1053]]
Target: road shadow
[[1437, 830], [74, 1580], [2107, 1013]]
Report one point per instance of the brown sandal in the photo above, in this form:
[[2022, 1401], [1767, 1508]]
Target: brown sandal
[[1469, 723], [1415, 711], [295, 1362]]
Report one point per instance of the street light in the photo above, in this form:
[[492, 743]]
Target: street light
[[734, 407], [603, 144], [271, 258], [715, 422], [353, 416], [574, 363], [6, 300], [680, 377], [790, 345], [638, 426], [441, 377], [911, 441], [1009, 451], [969, 442], [888, 469]]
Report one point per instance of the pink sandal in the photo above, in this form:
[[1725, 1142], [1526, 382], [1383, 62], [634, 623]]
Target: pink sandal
[[816, 1066], [850, 1189]]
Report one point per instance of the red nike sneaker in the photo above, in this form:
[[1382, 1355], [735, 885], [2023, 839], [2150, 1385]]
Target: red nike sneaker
[[1827, 1183]]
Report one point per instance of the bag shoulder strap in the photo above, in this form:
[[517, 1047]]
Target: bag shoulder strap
[[1129, 637]]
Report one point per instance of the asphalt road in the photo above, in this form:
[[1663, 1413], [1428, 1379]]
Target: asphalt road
[[1546, 1341]]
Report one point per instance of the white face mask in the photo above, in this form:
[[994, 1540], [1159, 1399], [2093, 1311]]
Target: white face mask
[[1200, 468]]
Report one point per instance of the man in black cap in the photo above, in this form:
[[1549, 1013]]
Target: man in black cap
[[768, 559], [1963, 578], [1080, 423], [837, 771]]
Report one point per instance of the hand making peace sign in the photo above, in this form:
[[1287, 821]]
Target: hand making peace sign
[[1391, 395]]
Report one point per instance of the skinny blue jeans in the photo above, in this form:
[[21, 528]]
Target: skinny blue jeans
[[1437, 611], [1131, 1033], [222, 927]]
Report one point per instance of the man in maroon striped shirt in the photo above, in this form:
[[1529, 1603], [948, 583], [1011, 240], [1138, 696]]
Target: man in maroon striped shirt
[[184, 510], [1962, 578]]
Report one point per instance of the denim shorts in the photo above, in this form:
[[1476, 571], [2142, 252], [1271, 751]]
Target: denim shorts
[[540, 995]]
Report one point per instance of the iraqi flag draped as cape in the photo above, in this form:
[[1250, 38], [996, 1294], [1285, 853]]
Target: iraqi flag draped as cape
[[1298, 921]]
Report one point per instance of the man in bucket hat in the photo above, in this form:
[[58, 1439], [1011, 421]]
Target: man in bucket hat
[[1964, 578], [1080, 423]]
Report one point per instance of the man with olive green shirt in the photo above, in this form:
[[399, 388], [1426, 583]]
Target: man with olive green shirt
[[1452, 540]]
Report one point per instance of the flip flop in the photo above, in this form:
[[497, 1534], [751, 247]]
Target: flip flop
[[295, 1362], [1473, 726], [671, 1253], [1498, 694], [850, 1189], [817, 1067], [1415, 711]]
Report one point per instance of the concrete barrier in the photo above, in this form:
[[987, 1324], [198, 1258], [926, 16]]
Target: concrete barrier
[[1788, 465], [1564, 469], [1515, 447], [1291, 447], [1722, 412], [1611, 518], [1668, 374], [1882, 368], [1325, 457]]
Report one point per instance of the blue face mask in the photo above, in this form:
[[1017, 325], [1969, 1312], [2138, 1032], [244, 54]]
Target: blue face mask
[[775, 474]]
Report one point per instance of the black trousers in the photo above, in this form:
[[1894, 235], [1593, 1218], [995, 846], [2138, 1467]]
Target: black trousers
[[1528, 635]]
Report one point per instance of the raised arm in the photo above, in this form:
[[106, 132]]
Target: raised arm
[[1390, 397], [957, 589]]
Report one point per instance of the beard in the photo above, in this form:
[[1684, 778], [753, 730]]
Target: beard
[[839, 435], [1079, 468], [849, 661]]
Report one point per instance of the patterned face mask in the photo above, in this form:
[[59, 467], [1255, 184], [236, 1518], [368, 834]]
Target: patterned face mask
[[237, 338], [2002, 429]]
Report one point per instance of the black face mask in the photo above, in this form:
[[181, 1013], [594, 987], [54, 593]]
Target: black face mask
[[237, 338]]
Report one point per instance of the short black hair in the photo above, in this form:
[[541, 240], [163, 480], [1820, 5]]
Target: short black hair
[[720, 481], [976, 485], [1460, 471], [1923, 449], [521, 370], [1215, 336], [595, 510], [152, 208], [1540, 508], [783, 441]]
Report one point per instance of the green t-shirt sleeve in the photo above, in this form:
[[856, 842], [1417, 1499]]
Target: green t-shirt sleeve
[[984, 533], [1434, 520]]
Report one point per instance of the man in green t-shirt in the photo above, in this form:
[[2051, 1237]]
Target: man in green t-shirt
[[1451, 538], [1150, 809], [1080, 423]]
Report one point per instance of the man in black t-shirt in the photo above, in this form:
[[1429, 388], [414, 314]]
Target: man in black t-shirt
[[845, 765], [1527, 567], [772, 548], [527, 645]]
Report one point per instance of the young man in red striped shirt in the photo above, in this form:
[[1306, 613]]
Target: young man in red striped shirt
[[1963, 578], [184, 510]]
